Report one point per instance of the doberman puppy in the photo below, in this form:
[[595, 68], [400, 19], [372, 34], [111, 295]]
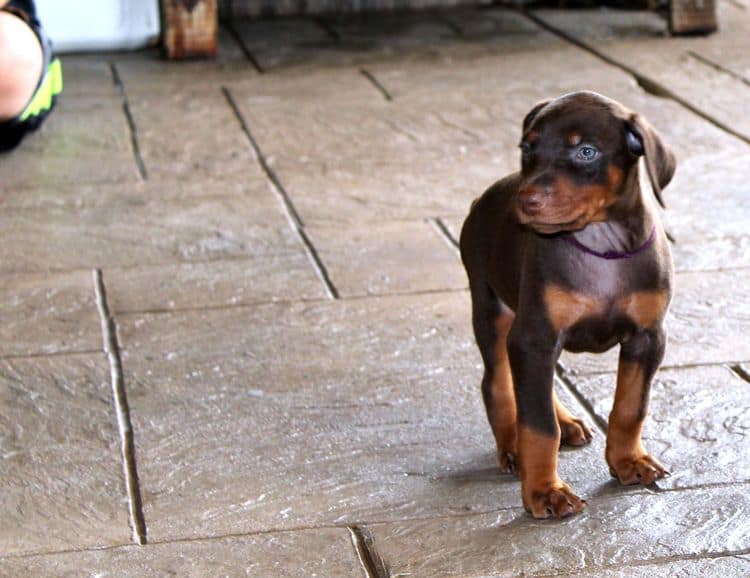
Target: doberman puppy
[[570, 254]]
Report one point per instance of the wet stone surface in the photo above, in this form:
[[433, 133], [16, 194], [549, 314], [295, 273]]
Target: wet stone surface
[[270, 418], [286, 555], [356, 421], [404, 257], [61, 473], [698, 423], [631, 529], [48, 314]]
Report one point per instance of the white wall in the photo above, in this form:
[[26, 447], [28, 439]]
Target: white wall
[[79, 25]]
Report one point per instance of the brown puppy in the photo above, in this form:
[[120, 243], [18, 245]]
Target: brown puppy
[[570, 254]]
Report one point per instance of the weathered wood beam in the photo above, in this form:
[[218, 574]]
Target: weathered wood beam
[[189, 28]]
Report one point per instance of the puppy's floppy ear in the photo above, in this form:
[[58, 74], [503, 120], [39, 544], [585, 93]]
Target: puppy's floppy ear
[[643, 140], [529, 118]]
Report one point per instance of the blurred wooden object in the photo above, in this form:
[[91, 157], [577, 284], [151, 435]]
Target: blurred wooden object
[[692, 16], [189, 28]]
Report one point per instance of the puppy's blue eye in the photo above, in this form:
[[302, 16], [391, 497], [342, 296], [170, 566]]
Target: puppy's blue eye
[[586, 153]]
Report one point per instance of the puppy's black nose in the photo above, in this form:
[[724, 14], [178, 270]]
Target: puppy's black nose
[[530, 201]]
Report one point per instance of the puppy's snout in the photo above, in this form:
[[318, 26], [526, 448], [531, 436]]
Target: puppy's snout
[[531, 198]]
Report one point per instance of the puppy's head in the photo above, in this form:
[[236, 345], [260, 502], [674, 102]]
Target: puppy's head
[[579, 158]]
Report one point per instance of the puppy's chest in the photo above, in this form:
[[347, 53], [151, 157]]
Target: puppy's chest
[[595, 322]]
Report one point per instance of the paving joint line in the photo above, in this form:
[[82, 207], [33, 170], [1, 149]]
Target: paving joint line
[[371, 562], [600, 422], [37, 355], [293, 215], [647, 84], [740, 372], [130, 120], [715, 65], [439, 225], [249, 56], [377, 84], [122, 410]]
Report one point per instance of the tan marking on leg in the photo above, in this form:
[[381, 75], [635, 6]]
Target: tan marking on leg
[[503, 413], [565, 308], [544, 493], [626, 456], [645, 308]]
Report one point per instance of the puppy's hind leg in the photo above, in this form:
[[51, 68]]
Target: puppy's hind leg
[[573, 430], [492, 320]]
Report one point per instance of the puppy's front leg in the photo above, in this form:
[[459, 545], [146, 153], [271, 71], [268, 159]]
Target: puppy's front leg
[[532, 359], [628, 460]]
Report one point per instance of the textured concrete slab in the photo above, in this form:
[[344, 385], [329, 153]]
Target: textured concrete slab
[[86, 76], [612, 533], [404, 257], [322, 553], [668, 61], [372, 160], [147, 72], [61, 475], [148, 232], [698, 422], [285, 42], [699, 568], [122, 197], [48, 314], [259, 404], [191, 135], [325, 413], [244, 281], [86, 141]]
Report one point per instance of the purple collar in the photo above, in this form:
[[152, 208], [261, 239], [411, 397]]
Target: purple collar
[[611, 255]]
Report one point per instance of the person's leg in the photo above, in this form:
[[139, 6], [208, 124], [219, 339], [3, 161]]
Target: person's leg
[[21, 62], [30, 75]]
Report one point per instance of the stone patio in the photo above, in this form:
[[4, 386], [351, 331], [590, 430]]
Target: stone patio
[[236, 336]]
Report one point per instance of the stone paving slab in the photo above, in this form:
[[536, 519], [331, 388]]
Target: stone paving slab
[[698, 424], [614, 532], [42, 314], [191, 135], [402, 257], [242, 281], [86, 76], [323, 553], [86, 141], [477, 129], [148, 73], [342, 40], [149, 232], [723, 566], [61, 474], [122, 197], [364, 413], [706, 324], [668, 61]]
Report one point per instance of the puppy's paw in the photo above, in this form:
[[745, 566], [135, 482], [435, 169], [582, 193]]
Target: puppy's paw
[[573, 432], [508, 461], [641, 469], [556, 500]]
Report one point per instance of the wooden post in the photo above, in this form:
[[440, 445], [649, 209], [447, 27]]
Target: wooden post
[[189, 28], [692, 16]]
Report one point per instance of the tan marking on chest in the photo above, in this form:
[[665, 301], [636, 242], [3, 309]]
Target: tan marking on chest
[[645, 308], [565, 308]]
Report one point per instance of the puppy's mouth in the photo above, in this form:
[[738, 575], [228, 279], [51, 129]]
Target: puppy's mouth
[[551, 227]]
